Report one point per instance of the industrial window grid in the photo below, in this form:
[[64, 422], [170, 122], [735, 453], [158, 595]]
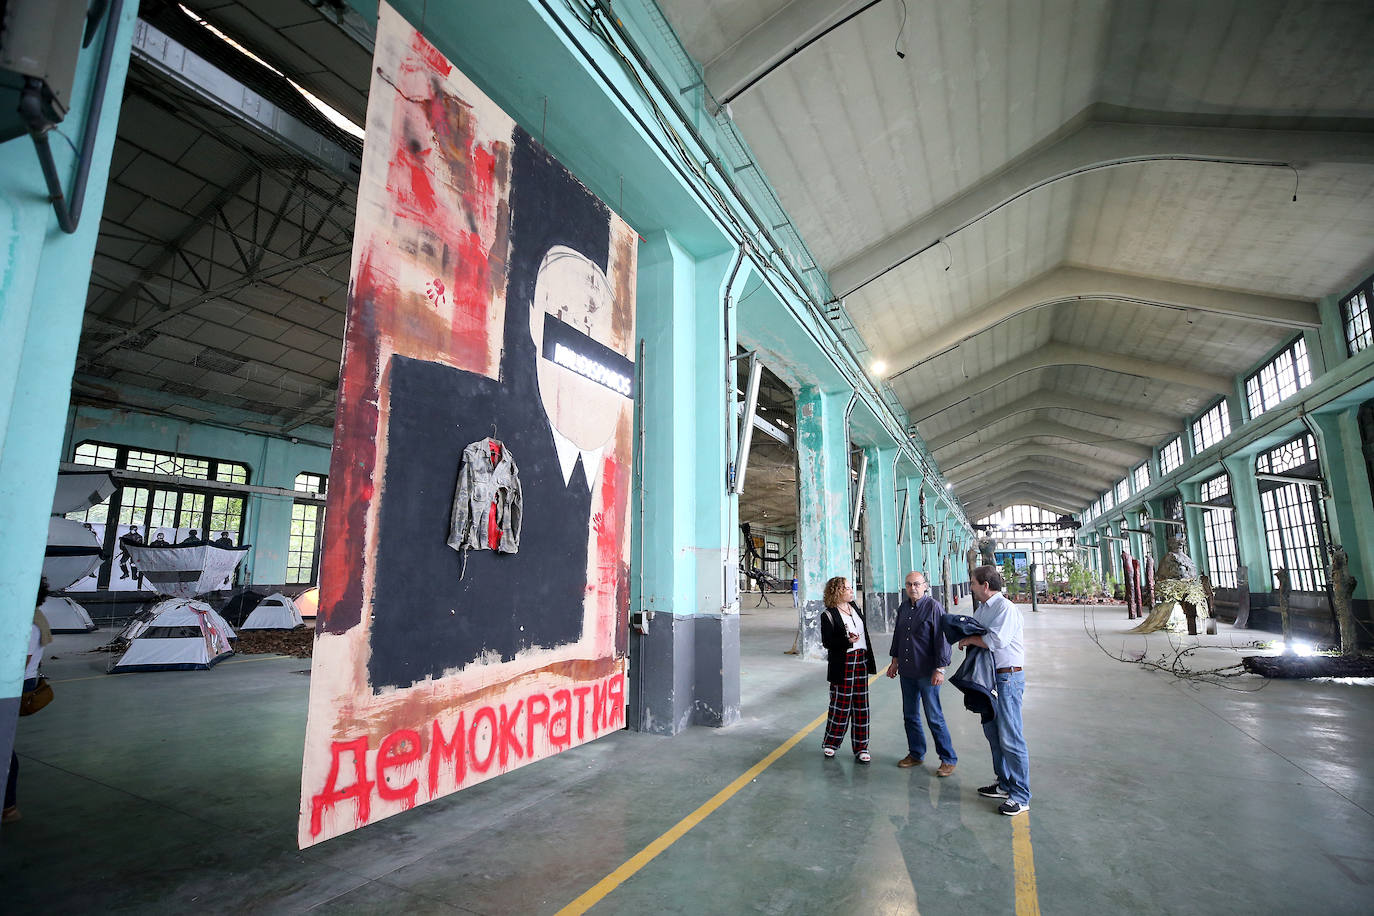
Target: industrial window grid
[[1219, 534], [1215, 488], [1210, 428], [1279, 379], [1123, 490], [1293, 516], [1108, 501], [311, 483], [179, 509], [171, 510], [1171, 456], [307, 528], [106, 455], [1140, 477], [1017, 514], [1355, 317]]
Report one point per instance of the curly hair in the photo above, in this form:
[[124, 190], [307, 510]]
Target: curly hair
[[834, 589]]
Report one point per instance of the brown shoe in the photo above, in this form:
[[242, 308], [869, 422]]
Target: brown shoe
[[945, 769], [909, 761]]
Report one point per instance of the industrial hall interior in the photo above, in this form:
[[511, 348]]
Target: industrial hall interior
[[687, 456]]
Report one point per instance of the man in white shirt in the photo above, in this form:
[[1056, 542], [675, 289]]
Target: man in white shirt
[[1006, 737]]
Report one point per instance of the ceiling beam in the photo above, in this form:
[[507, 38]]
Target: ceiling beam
[[1116, 469], [1043, 398], [1112, 470], [1006, 502], [1132, 452], [1060, 485], [1097, 144], [1080, 473], [1071, 284], [1017, 493], [1058, 354], [771, 42]]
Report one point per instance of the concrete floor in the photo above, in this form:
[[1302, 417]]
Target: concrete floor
[[178, 791]]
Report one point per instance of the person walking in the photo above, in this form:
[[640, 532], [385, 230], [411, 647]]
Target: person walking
[[920, 655], [844, 633], [1005, 733]]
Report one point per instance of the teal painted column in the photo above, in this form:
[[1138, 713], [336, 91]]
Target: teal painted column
[[1194, 519], [1251, 548], [823, 519], [682, 551], [1350, 509], [884, 587], [44, 274]]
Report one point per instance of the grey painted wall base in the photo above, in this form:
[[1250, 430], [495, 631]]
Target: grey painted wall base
[[880, 610], [9, 719], [684, 671]]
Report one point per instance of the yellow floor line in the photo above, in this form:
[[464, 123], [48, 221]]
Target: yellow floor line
[[1023, 859], [96, 677], [674, 833]]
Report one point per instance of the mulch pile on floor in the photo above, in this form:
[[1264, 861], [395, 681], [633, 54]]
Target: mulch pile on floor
[[298, 643], [1294, 666]]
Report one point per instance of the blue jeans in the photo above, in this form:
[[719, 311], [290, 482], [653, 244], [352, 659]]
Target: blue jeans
[[1010, 759], [918, 692]]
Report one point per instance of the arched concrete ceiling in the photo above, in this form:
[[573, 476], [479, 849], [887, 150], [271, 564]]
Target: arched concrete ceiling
[[1070, 199]]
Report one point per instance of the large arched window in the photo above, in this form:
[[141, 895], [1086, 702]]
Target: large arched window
[[1293, 520]]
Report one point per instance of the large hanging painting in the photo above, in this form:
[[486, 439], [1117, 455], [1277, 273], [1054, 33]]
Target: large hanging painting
[[474, 590]]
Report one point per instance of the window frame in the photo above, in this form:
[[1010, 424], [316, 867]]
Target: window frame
[[1293, 516], [1358, 329], [1215, 421], [1300, 366], [1165, 468]]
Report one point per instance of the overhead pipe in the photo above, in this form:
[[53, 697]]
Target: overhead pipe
[[31, 110]]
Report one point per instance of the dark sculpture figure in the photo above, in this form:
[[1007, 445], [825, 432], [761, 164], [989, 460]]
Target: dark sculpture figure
[[1342, 588], [1126, 585], [1176, 563], [1148, 598], [1211, 603], [1285, 592], [1242, 596]]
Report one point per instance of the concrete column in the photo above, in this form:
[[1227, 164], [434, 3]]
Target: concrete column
[[1194, 519], [825, 545], [1349, 506], [1251, 548], [884, 589], [44, 274], [685, 670]]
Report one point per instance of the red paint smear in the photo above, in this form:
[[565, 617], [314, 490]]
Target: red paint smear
[[613, 577], [433, 59], [354, 456], [443, 216]]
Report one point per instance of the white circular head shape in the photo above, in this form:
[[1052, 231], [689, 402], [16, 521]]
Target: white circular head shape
[[574, 290]]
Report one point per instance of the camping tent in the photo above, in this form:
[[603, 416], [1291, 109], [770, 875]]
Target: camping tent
[[146, 617], [66, 616], [183, 634], [275, 612]]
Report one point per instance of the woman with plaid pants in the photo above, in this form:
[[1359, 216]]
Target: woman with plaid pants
[[844, 633]]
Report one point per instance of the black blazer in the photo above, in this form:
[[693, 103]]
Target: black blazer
[[836, 641]]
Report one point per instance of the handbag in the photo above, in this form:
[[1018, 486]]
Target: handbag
[[35, 699]]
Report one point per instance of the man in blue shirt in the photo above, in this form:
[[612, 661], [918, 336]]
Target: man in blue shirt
[[920, 655], [1006, 738]]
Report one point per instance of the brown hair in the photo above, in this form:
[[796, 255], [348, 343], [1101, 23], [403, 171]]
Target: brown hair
[[989, 576], [833, 589]]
